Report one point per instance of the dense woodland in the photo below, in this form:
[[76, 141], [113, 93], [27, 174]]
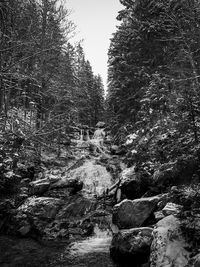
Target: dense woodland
[[47, 87], [48, 90], [153, 80]]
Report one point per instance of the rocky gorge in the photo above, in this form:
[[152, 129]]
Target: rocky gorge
[[78, 212]]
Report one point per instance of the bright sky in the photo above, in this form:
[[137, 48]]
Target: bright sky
[[96, 21]]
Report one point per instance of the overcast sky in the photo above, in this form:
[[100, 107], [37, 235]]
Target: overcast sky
[[96, 21]]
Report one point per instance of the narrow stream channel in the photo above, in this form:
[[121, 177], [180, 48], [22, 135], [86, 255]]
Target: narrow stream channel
[[91, 252]]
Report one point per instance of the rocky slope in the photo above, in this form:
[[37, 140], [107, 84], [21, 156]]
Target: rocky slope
[[157, 231]]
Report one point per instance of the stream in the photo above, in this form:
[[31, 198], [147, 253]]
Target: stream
[[91, 251]]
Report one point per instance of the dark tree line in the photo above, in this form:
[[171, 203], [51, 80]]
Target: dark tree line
[[46, 84], [154, 71]]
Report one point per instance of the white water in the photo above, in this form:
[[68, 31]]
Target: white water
[[96, 178], [100, 242]]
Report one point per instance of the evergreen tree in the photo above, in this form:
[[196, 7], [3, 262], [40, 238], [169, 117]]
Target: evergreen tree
[[153, 59]]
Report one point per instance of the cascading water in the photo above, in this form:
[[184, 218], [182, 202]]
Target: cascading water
[[91, 252], [88, 252], [99, 242], [95, 178]]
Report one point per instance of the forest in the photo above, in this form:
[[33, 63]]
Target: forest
[[47, 85], [73, 152]]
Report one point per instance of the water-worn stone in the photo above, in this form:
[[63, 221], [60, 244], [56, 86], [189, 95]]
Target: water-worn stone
[[133, 244], [37, 212], [168, 246], [133, 213]]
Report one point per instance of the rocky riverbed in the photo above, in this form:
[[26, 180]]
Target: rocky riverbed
[[69, 216]]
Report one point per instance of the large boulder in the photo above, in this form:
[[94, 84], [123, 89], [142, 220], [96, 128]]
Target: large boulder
[[76, 207], [42, 207], [73, 219], [134, 183], [36, 213], [132, 245], [168, 246], [133, 213]]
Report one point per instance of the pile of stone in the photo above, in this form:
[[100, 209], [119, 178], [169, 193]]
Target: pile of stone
[[149, 233]]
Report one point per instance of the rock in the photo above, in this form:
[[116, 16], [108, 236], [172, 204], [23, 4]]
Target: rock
[[75, 208], [133, 213], [159, 215], [168, 246], [76, 184], [70, 222], [24, 230], [39, 187], [132, 245], [172, 208], [62, 193], [164, 200], [42, 207], [128, 174], [53, 179], [134, 184], [37, 212]]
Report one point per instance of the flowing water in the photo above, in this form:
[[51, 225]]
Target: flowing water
[[96, 179], [91, 252]]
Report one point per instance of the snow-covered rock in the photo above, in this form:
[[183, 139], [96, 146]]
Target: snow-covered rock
[[168, 246], [35, 213], [171, 209]]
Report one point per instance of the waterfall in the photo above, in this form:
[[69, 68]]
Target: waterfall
[[99, 242]]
